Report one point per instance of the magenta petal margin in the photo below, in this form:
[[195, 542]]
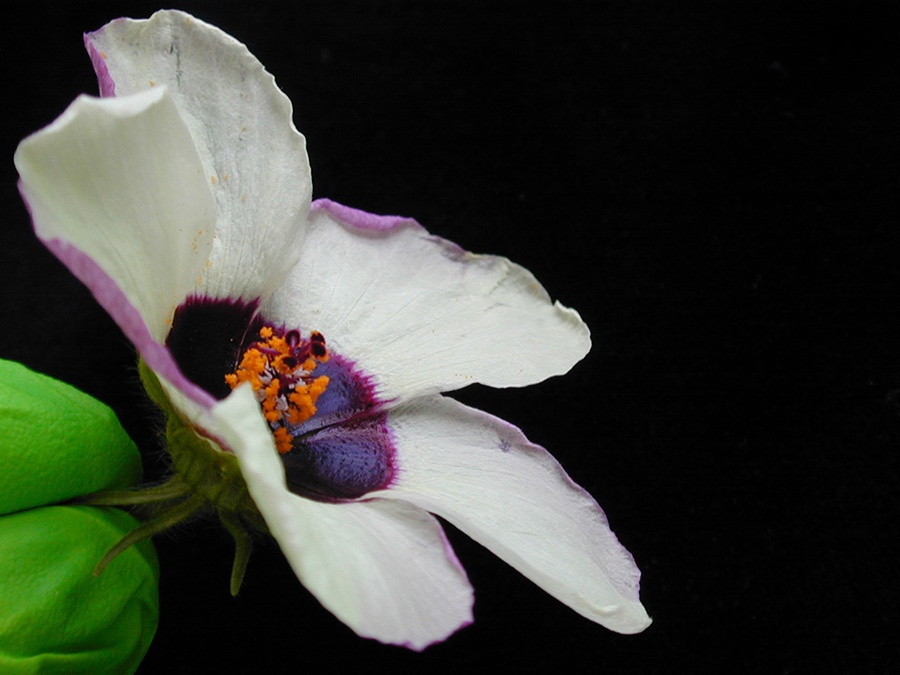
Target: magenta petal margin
[[361, 219], [113, 300], [104, 79], [369, 221]]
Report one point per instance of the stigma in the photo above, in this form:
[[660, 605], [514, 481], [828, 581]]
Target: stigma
[[280, 367]]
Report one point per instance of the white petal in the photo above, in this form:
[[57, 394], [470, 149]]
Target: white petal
[[254, 159], [383, 568], [483, 476], [419, 314], [120, 180], [192, 402]]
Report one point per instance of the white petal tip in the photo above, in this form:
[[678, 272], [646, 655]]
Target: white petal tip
[[627, 619]]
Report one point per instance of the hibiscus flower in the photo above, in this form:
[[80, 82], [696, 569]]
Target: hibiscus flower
[[301, 348]]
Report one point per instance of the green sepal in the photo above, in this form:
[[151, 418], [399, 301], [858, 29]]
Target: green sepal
[[210, 475], [57, 442], [55, 615], [210, 472]]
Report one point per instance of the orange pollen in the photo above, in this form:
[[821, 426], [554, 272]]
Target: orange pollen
[[279, 367], [283, 440]]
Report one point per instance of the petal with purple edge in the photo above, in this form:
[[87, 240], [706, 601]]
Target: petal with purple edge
[[384, 568], [420, 314], [119, 180], [185, 395], [254, 159], [483, 476]]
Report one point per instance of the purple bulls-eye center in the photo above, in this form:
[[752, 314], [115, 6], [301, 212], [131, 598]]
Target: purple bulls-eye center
[[340, 451]]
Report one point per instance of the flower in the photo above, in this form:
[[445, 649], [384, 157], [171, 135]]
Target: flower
[[301, 347]]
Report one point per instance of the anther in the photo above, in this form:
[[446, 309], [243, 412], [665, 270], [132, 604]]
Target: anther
[[279, 367]]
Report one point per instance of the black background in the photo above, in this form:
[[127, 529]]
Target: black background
[[710, 185]]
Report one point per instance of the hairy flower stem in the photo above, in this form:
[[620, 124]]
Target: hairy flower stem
[[205, 479]]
